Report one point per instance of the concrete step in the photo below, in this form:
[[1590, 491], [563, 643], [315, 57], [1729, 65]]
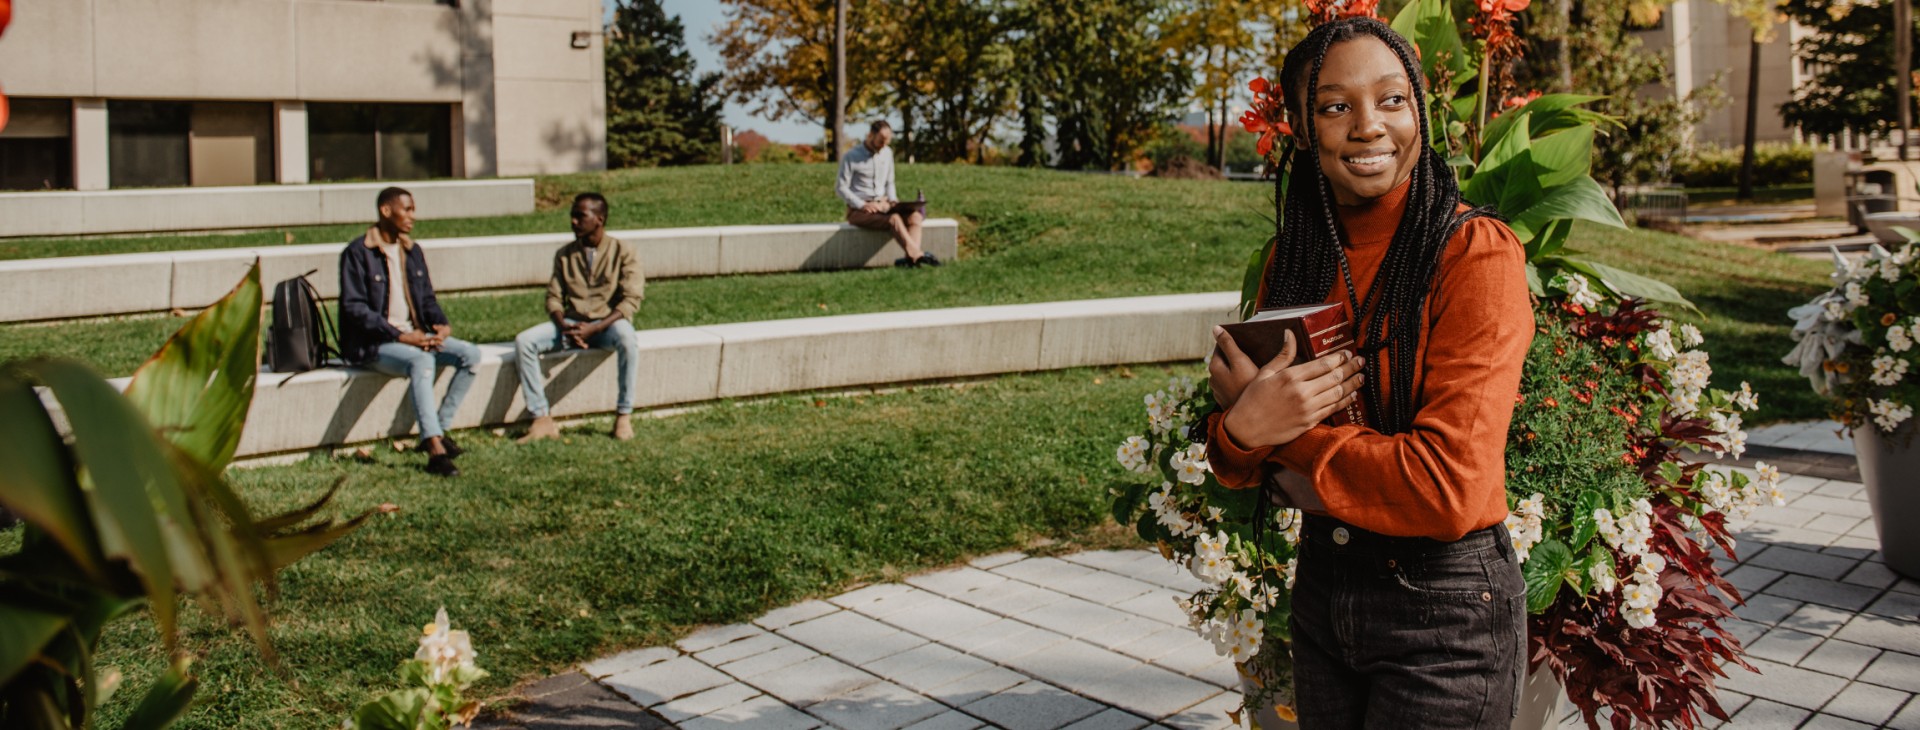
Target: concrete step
[[148, 210], [91, 286]]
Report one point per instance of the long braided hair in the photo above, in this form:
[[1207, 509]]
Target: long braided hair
[[1307, 257]]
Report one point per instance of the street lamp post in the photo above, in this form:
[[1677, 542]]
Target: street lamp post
[[835, 116]]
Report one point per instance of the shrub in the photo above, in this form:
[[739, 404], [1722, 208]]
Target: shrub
[[1719, 167]]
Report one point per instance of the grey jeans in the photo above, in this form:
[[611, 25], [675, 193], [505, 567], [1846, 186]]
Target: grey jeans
[[1407, 632]]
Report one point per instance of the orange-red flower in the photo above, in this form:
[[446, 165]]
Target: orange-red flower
[[1327, 11], [1268, 117], [1520, 101]]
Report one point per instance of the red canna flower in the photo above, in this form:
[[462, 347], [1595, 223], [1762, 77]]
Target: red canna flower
[[1520, 101], [1268, 117]]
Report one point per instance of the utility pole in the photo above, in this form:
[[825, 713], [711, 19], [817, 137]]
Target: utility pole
[[836, 117], [1903, 67]]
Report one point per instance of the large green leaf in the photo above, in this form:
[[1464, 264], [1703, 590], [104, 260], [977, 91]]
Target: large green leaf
[[1546, 570], [1564, 156], [1584, 525], [165, 701], [1429, 24], [1626, 283], [38, 483], [1581, 199], [23, 631], [198, 387], [1250, 281], [1506, 175], [1549, 241], [1549, 114]]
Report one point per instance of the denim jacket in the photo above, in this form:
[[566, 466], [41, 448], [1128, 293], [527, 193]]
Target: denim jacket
[[363, 297]]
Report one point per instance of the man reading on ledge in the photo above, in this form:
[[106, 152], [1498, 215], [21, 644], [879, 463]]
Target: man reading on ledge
[[866, 184], [595, 290]]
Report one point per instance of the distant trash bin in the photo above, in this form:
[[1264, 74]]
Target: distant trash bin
[[1858, 206]]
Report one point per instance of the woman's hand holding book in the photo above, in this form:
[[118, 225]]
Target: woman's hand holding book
[[1278, 402]]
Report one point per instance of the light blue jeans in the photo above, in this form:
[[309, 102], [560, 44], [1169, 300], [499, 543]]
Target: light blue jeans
[[545, 337], [418, 367]]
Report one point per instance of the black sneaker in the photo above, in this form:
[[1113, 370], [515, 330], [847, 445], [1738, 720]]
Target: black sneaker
[[446, 442], [904, 263], [442, 465], [927, 259]]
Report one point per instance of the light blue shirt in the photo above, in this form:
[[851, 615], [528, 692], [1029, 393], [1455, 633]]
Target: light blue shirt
[[866, 176]]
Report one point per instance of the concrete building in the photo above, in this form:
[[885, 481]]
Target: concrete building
[[144, 93], [1707, 46]]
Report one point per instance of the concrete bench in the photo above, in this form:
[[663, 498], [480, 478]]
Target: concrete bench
[[89, 286], [150, 210], [339, 406]]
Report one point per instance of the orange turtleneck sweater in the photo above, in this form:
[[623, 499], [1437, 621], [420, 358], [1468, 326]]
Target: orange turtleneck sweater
[[1446, 476]]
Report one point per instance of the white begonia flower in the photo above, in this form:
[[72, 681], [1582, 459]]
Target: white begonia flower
[[1214, 514], [1242, 585], [1580, 291], [1746, 399], [1292, 532], [1899, 338], [1691, 370], [1659, 344], [1133, 455], [1640, 618], [1856, 296], [1603, 578], [1641, 595], [1293, 565], [1888, 370], [1685, 402], [1210, 562], [1888, 415], [1690, 336], [1190, 464], [444, 648], [1835, 312], [1285, 517]]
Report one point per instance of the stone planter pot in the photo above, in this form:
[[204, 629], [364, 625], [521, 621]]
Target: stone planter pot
[[1266, 718], [1543, 701], [1890, 466]]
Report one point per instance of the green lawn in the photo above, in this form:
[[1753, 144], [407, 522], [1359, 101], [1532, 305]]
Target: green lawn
[[1027, 236], [563, 551]]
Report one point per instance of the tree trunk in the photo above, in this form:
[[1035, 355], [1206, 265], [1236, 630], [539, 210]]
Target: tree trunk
[[1902, 67], [836, 117], [1564, 58], [1753, 114], [1220, 156]]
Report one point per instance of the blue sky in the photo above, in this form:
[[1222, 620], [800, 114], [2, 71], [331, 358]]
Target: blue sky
[[701, 17]]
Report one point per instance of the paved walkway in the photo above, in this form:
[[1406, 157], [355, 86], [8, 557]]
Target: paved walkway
[[1093, 640]]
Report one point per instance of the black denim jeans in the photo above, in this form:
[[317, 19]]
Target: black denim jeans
[[1407, 632]]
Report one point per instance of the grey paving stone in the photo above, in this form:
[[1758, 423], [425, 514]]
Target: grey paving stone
[[1836, 524], [949, 720], [569, 701], [1106, 588], [1865, 529], [1788, 516], [1823, 721], [877, 706], [1831, 505], [781, 618], [869, 594], [1909, 717], [758, 664], [1151, 691], [1894, 669], [1781, 683], [989, 562], [759, 713], [1075, 666], [1791, 560], [1166, 641], [1157, 605], [1010, 598], [955, 581], [1814, 618], [1209, 715], [1729, 701], [1073, 617], [1866, 703], [1848, 546], [926, 667], [1003, 640], [1175, 579], [665, 681], [1745, 632], [1903, 606], [1044, 572], [1783, 645], [713, 700], [904, 602], [1113, 561], [1110, 719], [852, 637], [1824, 592], [1127, 630], [1839, 490], [758, 644], [1886, 633], [1751, 579], [705, 639], [1907, 585], [1872, 575], [974, 687], [939, 617], [1761, 608], [813, 680], [1032, 706], [627, 661], [1840, 658], [1769, 715], [1197, 660], [1789, 536]]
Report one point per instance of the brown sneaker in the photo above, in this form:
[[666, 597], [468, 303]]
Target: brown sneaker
[[623, 427], [543, 428]]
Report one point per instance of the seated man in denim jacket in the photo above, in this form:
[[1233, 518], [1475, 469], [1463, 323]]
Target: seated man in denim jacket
[[391, 322], [591, 299]]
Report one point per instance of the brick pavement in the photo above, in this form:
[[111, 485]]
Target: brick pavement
[[1093, 640]]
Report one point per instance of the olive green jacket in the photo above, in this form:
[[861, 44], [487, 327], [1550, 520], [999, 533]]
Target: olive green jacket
[[613, 284]]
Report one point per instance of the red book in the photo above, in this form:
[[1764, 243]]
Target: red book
[[1318, 330]]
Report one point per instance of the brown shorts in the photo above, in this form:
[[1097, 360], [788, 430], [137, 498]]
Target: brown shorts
[[875, 221]]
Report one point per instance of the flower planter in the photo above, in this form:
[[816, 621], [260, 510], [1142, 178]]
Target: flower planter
[[1890, 466], [1266, 718], [1543, 701]]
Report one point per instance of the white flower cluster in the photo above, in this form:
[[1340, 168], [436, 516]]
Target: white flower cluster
[[1579, 290], [1731, 438], [1133, 455], [1524, 525], [1722, 493], [1643, 592], [444, 649], [1235, 636], [1659, 344], [1627, 533], [1888, 370], [1190, 464], [1166, 511], [1167, 411], [1630, 535], [1888, 415]]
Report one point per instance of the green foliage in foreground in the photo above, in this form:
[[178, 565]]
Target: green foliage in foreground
[[559, 552], [1027, 236]]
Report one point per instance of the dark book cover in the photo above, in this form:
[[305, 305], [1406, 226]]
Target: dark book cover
[[1318, 329]]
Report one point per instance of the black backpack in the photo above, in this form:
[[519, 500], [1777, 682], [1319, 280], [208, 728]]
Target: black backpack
[[302, 337]]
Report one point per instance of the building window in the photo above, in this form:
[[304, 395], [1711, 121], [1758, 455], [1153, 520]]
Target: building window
[[232, 143], [380, 141], [36, 149], [147, 143]]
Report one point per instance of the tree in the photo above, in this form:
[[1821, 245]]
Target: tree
[[1851, 54], [779, 56], [949, 72], [1107, 77], [1229, 42], [658, 111]]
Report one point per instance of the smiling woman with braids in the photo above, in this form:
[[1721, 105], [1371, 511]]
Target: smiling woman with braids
[[1409, 607]]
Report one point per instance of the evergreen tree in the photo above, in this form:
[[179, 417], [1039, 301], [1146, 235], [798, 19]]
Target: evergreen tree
[[1851, 54], [658, 111]]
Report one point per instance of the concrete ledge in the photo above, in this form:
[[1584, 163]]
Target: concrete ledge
[[74, 213], [693, 364], [147, 282]]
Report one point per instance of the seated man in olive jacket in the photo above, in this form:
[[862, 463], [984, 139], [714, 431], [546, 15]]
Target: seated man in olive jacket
[[591, 299], [391, 322]]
